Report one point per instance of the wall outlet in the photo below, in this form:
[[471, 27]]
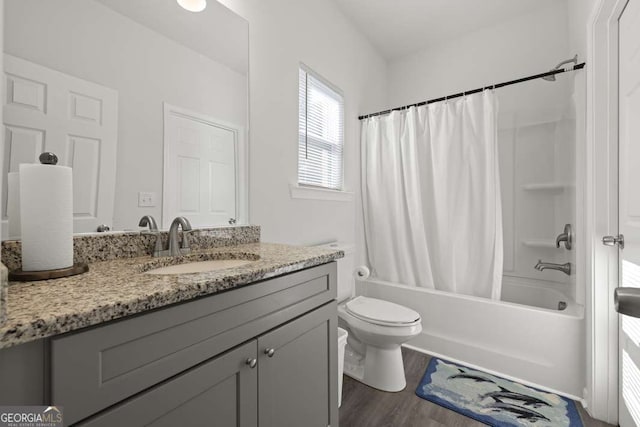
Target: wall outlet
[[146, 199]]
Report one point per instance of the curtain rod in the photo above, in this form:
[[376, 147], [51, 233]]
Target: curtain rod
[[469, 92]]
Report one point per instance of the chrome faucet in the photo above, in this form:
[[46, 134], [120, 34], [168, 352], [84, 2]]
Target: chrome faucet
[[149, 221], [174, 247], [565, 268]]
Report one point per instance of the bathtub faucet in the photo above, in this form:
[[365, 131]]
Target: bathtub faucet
[[565, 268]]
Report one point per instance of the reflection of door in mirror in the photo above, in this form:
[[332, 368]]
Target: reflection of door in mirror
[[200, 177], [47, 110]]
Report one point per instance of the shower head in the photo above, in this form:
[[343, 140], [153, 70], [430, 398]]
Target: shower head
[[552, 77]]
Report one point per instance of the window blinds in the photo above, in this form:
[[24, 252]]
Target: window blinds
[[320, 133]]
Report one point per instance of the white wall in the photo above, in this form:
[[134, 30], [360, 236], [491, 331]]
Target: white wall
[[282, 34], [87, 40], [525, 45], [2, 96], [579, 13], [601, 393]]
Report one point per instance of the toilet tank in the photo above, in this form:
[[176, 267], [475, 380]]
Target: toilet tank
[[346, 265]]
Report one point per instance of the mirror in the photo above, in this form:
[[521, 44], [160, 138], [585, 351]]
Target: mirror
[[147, 102]]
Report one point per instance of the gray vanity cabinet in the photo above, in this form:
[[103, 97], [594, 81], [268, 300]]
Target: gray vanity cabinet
[[293, 385], [297, 379], [220, 392], [188, 362]]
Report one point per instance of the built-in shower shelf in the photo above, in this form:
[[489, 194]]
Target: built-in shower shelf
[[540, 243], [554, 187]]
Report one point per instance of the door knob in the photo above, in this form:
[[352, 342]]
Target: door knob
[[251, 362], [269, 352], [614, 240], [627, 301]]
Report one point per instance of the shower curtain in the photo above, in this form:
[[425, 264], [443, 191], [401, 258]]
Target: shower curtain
[[431, 196]]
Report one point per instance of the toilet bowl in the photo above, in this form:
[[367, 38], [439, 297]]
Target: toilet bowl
[[377, 329]]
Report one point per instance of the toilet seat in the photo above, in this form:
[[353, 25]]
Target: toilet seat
[[381, 312]]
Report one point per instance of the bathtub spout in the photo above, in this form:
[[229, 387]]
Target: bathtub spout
[[565, 268]]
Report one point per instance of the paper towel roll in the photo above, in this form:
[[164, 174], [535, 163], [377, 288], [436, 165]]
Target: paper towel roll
[[361, 273], [13, 204], [46, 216]]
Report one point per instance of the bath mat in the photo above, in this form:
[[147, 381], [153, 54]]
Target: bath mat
[[493, 400]]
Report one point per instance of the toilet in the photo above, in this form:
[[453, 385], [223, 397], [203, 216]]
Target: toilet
[[377, 329]]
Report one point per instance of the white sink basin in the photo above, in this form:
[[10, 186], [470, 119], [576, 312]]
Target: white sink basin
[[200, 266]]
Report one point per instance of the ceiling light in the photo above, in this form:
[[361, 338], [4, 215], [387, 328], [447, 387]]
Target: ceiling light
[[193, 5]]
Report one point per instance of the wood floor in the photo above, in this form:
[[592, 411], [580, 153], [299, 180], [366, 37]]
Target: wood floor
[[363, 406]]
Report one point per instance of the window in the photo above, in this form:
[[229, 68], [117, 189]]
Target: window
[[320, 132]]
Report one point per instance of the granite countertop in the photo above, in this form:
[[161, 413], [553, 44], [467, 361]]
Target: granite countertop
[[118, 288]]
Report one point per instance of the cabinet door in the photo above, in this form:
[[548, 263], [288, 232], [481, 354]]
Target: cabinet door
[[297, 381], [220, 393]]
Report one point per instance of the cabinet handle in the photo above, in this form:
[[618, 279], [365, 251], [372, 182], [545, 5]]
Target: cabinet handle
[[269, 352], [251, 362]]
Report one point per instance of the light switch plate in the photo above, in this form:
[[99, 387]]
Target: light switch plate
[[146, 199]]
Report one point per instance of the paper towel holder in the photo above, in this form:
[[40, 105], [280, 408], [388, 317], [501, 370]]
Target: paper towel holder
[[48, 158], [32, 276]]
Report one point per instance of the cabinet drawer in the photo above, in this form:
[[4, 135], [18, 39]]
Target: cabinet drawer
[[99, 367]]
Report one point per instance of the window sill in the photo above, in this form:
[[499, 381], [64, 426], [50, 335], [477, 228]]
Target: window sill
[[302, 192]]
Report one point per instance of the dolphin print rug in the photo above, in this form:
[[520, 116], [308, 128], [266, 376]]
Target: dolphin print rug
[[493, 400]]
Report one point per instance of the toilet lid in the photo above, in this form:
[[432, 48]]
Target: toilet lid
[[381, 312]]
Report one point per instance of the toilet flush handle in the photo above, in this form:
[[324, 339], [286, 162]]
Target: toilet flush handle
[[269, 352]]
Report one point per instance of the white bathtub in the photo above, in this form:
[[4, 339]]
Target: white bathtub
[[541, 347]]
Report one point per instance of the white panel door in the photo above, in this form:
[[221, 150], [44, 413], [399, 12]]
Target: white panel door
[[629, 140], [200, 173], [46, 110]]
